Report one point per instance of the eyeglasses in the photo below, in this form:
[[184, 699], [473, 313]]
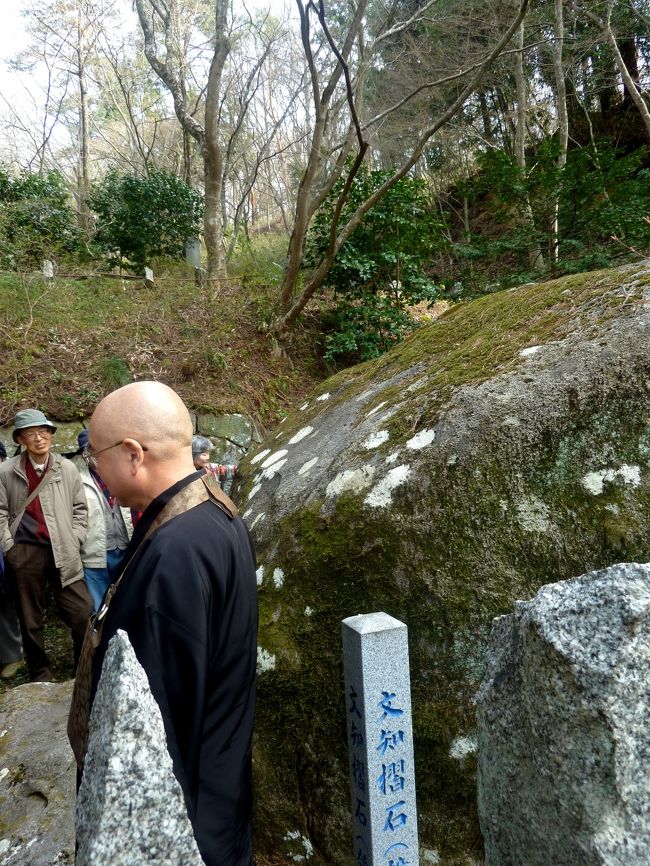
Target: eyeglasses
[[41, 433], [90, 455]]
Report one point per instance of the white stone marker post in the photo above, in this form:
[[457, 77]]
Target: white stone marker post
[[380, 740], [193, 257]]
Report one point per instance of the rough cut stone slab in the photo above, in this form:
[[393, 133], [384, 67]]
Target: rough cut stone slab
[[380, 740], [130, 808], [37, 776], [564, 725]]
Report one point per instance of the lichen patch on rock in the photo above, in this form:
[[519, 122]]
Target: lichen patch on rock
[[594, 482], [307, 466], [277, 455], [376, 439], [382, 494], [300, 435], [265, 660], [421, 440], [353, 480], [273, 469]]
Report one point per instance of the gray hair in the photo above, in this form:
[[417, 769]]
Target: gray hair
[[201, 444]]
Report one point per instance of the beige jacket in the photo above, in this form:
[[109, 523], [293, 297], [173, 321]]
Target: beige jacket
[[93, 550], [64, 506]]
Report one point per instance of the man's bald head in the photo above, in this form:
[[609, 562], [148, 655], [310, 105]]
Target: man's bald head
[[144, 432], [148, 411]]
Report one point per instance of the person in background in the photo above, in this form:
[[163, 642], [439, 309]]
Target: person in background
[[43, 518], [201, 447], [110, 528], [11, 648], [188, 603], [223, 472]]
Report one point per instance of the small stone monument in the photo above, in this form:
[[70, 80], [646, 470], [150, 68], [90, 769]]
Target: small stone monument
[[380, 740], [130, 807], [48, 269], [193, 258], [148, 278], [193, 252]]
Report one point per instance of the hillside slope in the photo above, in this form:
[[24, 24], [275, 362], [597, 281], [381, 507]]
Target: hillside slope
[[65, 342]]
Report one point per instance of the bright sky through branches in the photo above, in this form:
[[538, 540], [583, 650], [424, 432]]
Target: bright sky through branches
[[22, 94], [12, 39]]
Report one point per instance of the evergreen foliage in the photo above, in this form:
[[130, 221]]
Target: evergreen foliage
[[36, 220], [139, 218], [603, 197], [381, 270]]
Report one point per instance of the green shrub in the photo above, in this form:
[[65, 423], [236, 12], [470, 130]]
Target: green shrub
[[380, 271], [36, 220], [139, 218], [603, 198], [115, 372]]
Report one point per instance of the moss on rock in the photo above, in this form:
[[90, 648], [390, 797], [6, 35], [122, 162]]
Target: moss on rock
[[440, 483]]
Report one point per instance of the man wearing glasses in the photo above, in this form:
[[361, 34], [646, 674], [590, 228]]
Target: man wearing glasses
[[43, 517], [188, 602]]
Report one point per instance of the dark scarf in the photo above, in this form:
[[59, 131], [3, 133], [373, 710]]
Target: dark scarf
[[34, 508]]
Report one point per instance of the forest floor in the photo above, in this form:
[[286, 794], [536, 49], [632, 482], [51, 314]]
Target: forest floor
[[66, 342]]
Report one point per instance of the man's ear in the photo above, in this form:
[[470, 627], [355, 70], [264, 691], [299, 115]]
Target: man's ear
[[136, 453]]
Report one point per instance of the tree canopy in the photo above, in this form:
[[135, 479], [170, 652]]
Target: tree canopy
[[527, 122]]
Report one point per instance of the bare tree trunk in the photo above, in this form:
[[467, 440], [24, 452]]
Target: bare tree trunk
[[187, 157], [485, 117], [286, 320], [213, 220], [83, 179], [212, 154], [630, 85], [509, 130], [84, 160], [628, 82], [630, 58], [207, 136], [306, 201], [563, 119], [535, 257]]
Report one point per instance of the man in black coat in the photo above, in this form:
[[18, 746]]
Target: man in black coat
[[188, 602]]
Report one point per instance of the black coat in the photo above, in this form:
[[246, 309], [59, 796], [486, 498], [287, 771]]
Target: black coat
[[188, 602]]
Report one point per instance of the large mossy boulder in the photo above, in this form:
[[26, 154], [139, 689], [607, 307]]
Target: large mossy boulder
[[500, 448]]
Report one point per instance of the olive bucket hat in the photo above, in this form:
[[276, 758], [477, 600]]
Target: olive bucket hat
[[30, 418]]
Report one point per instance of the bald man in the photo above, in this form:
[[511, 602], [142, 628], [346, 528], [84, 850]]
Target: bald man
[[188, 602]]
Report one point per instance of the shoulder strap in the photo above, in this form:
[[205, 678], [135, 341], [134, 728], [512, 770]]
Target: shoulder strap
[[217, 495], [19, 516]]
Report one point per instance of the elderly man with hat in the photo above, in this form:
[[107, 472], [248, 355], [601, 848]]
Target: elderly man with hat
[[43, 519]]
